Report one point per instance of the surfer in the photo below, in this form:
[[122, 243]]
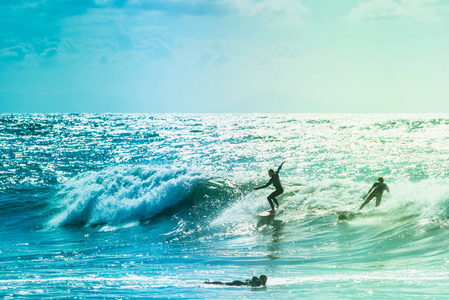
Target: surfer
[[375, 191], [276, 183], [254, 282]]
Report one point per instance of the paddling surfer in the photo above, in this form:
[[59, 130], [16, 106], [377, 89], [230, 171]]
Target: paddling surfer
[[277, 185], [376, 191], [254, 282]]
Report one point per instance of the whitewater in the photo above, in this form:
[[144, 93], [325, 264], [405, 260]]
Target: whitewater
[[150, 206]]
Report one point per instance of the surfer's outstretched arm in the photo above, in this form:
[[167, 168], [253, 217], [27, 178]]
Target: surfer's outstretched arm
[[280, 167], [264, 186]]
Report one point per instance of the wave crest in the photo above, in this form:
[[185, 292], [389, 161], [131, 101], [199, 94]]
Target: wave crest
[[122, 194]]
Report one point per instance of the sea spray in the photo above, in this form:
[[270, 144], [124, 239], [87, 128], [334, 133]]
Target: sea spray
[[122, 194]]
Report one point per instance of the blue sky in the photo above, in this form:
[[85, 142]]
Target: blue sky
[[224, 56]]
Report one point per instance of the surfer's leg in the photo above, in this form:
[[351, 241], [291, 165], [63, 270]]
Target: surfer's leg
[[270, 201], [236, 283], [215, 282], [367, 201], [378, 199], [273, 196], [363, 204]]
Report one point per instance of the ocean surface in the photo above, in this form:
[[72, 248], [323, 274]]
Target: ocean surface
[[137, 206]]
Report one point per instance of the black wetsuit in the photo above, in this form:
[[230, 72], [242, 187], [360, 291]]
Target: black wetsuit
[[379, 188], [255, 281], [277, 184]]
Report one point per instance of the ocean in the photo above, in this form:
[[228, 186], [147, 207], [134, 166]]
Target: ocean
[[150, 206]]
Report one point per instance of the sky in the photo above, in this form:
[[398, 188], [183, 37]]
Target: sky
[[207, 56]]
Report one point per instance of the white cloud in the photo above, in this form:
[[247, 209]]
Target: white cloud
[[16, 53], [283, 12], [418, 10]]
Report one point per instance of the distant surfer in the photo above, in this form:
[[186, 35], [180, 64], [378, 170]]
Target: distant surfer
[[375, 191], [276, 183], [254, 282]]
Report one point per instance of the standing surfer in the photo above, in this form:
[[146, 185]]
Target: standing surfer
[[377, 190], [276, 183]]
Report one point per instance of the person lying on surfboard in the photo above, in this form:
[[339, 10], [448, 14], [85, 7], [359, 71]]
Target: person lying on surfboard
[[276, 183], [255, 281], [377, 190]]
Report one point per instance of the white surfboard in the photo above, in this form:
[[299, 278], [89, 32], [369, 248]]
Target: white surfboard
[[268, 213]]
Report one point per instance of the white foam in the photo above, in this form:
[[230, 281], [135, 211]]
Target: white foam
[[121, 195], [429, 199]]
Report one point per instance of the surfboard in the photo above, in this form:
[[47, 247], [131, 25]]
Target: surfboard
[[347, 214], [268, 213]]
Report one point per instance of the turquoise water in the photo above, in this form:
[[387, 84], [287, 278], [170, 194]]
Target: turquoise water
[[96, 206]]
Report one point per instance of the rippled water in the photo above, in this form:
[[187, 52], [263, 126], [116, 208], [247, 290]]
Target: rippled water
[[151, 206]]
